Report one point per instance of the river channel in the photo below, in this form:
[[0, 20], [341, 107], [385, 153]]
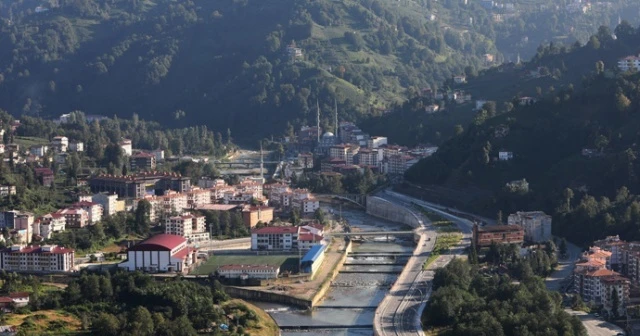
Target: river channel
[[355, 294]]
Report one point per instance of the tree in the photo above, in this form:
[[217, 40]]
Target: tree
[[615, 303], [593, 43], [142, 221], [499, 220], [601, 142], [568, 196], [319, 216], [295, 216], [458, 129], [622, 102], [141, 322], [563, 247], [473, 255], [105, 325]]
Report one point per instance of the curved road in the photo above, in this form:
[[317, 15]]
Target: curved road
[[399, 313]]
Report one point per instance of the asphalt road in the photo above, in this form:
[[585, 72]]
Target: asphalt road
[[399, 313], [596, 326]]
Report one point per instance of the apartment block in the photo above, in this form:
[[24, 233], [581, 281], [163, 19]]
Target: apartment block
[[536, 224]]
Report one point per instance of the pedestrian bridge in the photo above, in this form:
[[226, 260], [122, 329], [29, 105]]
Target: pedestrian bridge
[[371, 234]]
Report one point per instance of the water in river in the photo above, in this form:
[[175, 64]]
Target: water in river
[[353, 296]]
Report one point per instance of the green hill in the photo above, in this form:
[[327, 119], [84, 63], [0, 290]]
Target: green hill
[[547, 140], [225, 63]]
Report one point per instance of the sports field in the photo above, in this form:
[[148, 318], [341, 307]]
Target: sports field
[[286, 263]]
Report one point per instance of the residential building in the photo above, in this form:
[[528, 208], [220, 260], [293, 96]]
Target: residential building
[[94, 211], [305, 160], [248, 271], [6, 190], [38, 150], [596, 287], [50, 223], [397, 164], [536, 224], [76, 146], [138, 185], [7, 219], [339, 152], [275, 238], [616, 246], [60, 143], [48, 258], [308, 239], [60, 158], [127, 148], [484, 236], [377, 141], [505, 156], [369, 157], [459, 79], [208, 183], [45, 176], [310, 205], [161, 253], [523, 101], [197, 197], [159, 154], [24, 225], [142, 161], [189, 226], [75, 217], [252, 215], [109, 202], [629, 63]]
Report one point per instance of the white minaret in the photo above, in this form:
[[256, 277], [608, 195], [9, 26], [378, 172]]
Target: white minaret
[[261, 163], [318, 119], [336, 118]]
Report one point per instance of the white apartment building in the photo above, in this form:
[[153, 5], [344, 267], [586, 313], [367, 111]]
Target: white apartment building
[[505, 156], [377, 141], [369, 157], [248, 271], [629, 63], [39, 150], [189, 226], [310, 205], [76, 146], [109, 202], [50, 223], [51, 258], [94, 211], [536, 225], [197, 197], [61, 143], [6, 190], [127, 148]]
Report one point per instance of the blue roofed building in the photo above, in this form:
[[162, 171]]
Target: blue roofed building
[[312, 261]]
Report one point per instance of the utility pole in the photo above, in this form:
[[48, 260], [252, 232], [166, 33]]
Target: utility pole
[[336, 117], [261, 163]]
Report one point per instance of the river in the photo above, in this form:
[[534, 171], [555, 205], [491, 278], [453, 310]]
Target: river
[[353, 296]]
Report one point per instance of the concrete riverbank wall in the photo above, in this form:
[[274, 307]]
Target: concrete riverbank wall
[[382, 208], [257, 295]]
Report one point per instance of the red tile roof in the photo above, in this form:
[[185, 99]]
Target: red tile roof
[[161, 242], [308, 236], [19, 295], [39, 250], [183, 253]]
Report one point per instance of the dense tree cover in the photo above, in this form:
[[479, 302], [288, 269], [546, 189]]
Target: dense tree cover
[[472, 303], [202, 63], [351, 183], [124, 303], [539, 261], [547, 139], [225, 224]]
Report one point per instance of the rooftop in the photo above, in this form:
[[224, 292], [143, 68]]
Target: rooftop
[[161, 242], [498, 228], [276, 230]]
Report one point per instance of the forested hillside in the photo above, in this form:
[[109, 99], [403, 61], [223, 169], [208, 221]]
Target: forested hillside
[[576, 149], [227, 63]]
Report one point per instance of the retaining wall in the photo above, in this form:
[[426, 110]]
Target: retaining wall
[[382, 208]]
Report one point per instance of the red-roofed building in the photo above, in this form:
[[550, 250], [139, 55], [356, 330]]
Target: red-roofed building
[[307, 239], [74, 217], [142, 161], [275, 238], [45, 176], [48, 258], [161, 253]]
